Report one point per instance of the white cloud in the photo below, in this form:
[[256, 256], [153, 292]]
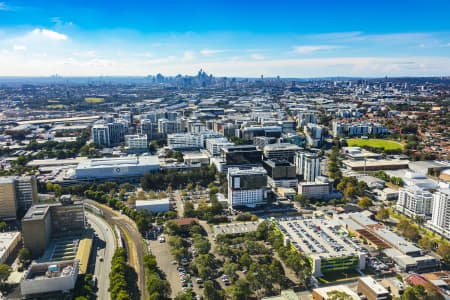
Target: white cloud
[[210, 52], [188, 56], [3, 6], [48, 34], [308, 49], [257, 56], [20, 47]]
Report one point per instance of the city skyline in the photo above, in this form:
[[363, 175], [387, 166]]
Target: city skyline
[[289, 39]]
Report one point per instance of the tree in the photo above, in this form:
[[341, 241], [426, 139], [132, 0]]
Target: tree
[[241, 290], [337, 295], [24, 255], [5, 271], [210, 292], [444, 251], [3, 225], [426, 243], [365, 202], [382, 214]]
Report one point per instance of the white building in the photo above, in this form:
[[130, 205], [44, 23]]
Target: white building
[[214, 145], [307, 165], [314, 134], [9, 242], [136, 141], [129, 166], [440, 216], [100, 134], [184, 141], [155, 205], [247, 187], [166, 126], [414, 202], [49, 277], [318, 189]]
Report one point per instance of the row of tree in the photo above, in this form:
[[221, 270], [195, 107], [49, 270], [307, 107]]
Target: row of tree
[[120, 276], [157, 287]]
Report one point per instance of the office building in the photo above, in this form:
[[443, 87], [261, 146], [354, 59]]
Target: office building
[[103, 168], [305, 118], [414, 202], [440, 216], [319, 189], [166, 126], [370, 288], [281, 173], [16, 194], [314, 135], [136, 141], [100, 134], [242, 156], [281, 151], [247, 187], [182, 141], [148, 128], [214, 145], [307, 166], [249, 133], [42, 278], [43, 221], [9, 242]]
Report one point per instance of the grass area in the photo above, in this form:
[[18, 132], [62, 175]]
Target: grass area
[[56, 106], [94, 100], [338, 276], [375, 143]]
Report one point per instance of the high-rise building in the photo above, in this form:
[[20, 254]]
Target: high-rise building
[[179, 141], [414, 201], [166, 126], [100, 134], [314, 134], [43, 221], [8, 204], [440, 216], [307, 165], [281, 173], [136, 141], [281, 151], [247, 187], [16, 194]]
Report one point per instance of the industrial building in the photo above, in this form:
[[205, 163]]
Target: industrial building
[[130, 166], [44, 221], [320, 240], [41, 278], [247, 187], [154, 205]]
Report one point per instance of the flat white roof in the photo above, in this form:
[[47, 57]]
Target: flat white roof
[[374, 285], [7, 240], [152, 202], [127, 161]]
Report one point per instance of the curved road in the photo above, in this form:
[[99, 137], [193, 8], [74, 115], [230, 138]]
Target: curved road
[[135, 244], [105, 246]]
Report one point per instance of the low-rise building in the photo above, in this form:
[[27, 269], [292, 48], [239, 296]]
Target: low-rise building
[[319, 189], [9, 241], [330, 292], [154, 205], [370, 288]]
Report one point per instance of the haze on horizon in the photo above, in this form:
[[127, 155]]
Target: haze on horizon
[[226, 38]]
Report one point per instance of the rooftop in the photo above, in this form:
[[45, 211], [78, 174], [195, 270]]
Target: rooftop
[[128, 161], [374, 285]]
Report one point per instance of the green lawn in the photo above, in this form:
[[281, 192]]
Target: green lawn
[[94, 100], [376, 143]]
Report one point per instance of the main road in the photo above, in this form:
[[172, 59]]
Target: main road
[[105, 245], [134, 243]]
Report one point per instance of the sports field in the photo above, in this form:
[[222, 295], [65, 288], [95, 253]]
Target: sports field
[[375, 143], [94, 100]]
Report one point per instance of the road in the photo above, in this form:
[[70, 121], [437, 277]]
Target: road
[[133, 239], [105, 245], [179, 202]]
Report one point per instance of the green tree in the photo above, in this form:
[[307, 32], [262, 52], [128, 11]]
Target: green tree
[[382, 214], [365, 202], [24, 256], [5, 271], [3, 225], [444, 251], [210, 292], [338, 295]]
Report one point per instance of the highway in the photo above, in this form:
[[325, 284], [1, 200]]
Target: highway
[[105, 245], [133, 239]]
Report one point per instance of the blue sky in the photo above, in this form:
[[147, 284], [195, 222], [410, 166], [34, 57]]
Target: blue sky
[[227, 38]]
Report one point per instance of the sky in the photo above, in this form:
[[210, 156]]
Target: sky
[[226, 38]]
